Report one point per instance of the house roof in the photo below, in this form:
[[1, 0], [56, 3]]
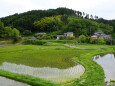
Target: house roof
[[41, 33], [60, 35], [98, 33], [101, 34], [68, 33], [94, 36]]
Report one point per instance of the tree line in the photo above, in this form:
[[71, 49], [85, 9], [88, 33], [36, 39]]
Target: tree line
[[62, 19], [24, 21]]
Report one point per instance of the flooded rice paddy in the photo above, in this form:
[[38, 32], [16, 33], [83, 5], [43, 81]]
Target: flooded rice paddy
[[107, 62], [8, 82], [53, 74]]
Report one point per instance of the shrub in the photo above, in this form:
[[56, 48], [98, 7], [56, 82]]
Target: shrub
[[93, 41], [101, 41], [35, 35], [82, 38], [16, 39], [71, 37], [34, 42], [108, 41], [27, 32], [113, 41]]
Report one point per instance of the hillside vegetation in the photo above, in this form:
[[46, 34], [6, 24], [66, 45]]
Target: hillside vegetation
[[63, 19]]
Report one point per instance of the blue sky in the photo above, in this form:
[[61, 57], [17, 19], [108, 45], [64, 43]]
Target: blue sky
[[101, 8]]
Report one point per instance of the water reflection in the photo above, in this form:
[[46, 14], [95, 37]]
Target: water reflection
[[107, 61], [8, 82], [53, 74]]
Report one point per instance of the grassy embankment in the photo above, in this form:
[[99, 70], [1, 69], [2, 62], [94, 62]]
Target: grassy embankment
[[40, 56], [94, 75]]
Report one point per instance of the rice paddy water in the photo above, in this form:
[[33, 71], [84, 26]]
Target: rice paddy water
[[107, 62], [8, 82], [53, 74]]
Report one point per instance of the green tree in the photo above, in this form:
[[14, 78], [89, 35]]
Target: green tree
[[82, 38], [8, 32], [24, 21], [27, 32], [15, 33], [1, 29], [101, 41], [48, 24]]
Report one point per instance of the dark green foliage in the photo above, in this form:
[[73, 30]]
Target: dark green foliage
[[16, 39], [109, 22], [107, 29], [80, 26], [63, 19], [1, 29], [34, 42], [1, 25], [109, 41], [24, 21], [26, 32], [113, 41]]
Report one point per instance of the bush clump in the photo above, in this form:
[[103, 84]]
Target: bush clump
[[34, 42]]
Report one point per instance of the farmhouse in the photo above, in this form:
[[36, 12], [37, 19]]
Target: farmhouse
[[68, 34], [98, 35], [65, 35], [94, 37]]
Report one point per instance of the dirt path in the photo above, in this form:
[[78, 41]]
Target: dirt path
[[72, 46]]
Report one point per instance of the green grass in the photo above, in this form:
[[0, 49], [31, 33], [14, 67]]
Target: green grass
[[57, 55], [94, 75], [91, 46], [40, 56]]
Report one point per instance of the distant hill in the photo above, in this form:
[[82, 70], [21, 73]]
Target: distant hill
[[24, 21], [62, 19]]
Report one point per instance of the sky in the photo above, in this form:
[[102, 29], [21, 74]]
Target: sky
[[101, 8]]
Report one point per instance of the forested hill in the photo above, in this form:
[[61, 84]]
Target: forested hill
[[110, 22], [60, 19], [24, 21]]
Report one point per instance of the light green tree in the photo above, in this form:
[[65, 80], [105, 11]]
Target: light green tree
[[15, 33], [101, 41], [82, 38]]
